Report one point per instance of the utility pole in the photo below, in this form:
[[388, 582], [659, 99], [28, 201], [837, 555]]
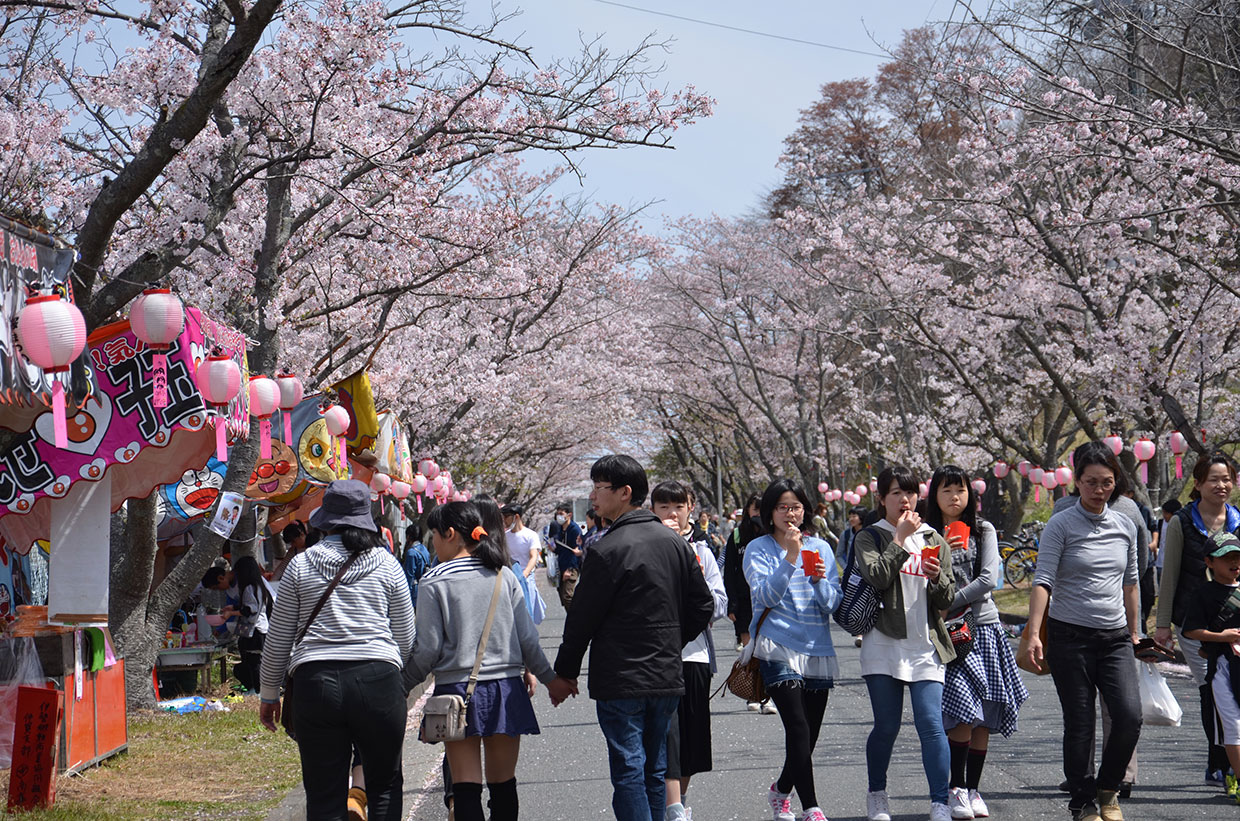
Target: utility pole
[[719, 483]]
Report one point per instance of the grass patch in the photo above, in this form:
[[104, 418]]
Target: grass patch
[[199, 765], [1011, 601]]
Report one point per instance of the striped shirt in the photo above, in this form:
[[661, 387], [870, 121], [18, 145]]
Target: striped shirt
[[368, 617], [800, 617]]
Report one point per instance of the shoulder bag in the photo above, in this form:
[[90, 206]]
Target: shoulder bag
[[286, 702], [962, 626], [443, 717], [858, 610], [745, 681]]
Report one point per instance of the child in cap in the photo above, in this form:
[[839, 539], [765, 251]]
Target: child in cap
[[1214, 619]]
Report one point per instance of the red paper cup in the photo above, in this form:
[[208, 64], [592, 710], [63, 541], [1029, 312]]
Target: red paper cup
[[811, 562], [958, 529]]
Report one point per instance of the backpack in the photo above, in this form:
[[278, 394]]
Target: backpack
[[858, 610]]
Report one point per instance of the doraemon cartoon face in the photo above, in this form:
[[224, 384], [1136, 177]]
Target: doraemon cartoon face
[[196, 492]]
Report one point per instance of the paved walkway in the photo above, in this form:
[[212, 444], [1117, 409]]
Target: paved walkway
[[563, 772]]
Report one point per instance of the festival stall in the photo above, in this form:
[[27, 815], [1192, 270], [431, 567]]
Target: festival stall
[[126, 416]]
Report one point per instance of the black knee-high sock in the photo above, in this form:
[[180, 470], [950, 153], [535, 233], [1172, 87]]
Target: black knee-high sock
[[467, 801], [977, 760], [503, 801], [959, 755]]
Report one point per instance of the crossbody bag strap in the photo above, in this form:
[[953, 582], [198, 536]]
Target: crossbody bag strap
[[761, 619], [486, 634], [323, 599], [1230, 606]]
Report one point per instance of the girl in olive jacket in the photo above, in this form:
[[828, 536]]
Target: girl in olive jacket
[[909, 646]]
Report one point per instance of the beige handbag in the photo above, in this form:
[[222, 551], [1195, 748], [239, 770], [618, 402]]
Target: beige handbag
[[443, 717]]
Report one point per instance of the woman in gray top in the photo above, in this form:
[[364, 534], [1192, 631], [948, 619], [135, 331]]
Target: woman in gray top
[[1088, 559], [453, 600], [982, 689]]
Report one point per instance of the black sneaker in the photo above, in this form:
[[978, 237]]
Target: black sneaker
[[1089, 812], [1063, 786], [1125, 789]]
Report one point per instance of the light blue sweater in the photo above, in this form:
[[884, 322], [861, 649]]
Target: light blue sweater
[[800, 617]]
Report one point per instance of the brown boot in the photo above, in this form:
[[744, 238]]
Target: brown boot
[[357, 804], [1108, 805]]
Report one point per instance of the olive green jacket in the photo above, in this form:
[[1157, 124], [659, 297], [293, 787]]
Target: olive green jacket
[[879, 564]]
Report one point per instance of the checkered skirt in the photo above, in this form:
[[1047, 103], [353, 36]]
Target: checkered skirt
[[985, 686]]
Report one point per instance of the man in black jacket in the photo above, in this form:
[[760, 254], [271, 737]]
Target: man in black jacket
[[640, 599]]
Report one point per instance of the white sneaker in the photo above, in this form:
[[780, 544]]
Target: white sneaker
[[781, 805], [768, 708], [688, 814], [980, 810], [958, 803], [876, 806], [675, 812], [813, 814], [753, 706], [940, 812]]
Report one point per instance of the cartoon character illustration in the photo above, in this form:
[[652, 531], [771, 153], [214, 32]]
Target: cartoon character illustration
[[317, 452], [196, 492], [275, 476]]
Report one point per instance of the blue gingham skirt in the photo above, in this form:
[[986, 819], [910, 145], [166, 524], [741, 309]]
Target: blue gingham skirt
[[985, 686]]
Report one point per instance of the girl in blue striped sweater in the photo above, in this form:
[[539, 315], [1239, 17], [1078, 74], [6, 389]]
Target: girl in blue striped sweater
[[791, 634]]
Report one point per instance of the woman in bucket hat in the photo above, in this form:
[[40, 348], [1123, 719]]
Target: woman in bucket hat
[[347, 667]]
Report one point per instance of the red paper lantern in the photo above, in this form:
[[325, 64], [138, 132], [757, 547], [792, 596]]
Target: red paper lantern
[[264, 400], [291, 394], [219, 382], [157, 318], [52, 333]]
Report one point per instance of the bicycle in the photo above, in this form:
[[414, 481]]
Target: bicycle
[[1020, 557]]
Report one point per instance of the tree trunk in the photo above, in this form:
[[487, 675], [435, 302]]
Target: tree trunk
[[133, 550]]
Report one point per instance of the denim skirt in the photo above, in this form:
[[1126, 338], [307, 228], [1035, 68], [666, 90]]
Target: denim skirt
[[499, 707]]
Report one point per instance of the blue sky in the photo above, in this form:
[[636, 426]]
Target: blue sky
[[723, 164]]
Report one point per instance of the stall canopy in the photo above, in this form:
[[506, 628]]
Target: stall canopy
[[118, 433]]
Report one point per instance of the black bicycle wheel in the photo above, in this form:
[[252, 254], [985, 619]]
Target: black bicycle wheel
[[1018, 567]]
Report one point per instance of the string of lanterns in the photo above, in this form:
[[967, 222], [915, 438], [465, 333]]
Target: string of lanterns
[[1143, 450]]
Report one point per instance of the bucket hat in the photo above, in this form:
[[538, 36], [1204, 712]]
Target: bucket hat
[[346, 503]]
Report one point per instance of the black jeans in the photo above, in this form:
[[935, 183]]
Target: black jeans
[[340, 704], [1085, 662], [251, 650]]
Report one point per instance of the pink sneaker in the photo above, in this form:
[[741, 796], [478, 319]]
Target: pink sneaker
[[813, 814], [781, 805]]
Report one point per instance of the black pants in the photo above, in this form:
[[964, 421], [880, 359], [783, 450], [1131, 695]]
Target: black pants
[[1147, 597], [1087, 662], [801, 711], [251, 650], [340, 704]]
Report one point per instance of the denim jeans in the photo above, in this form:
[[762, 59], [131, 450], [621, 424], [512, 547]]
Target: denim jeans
[[340, 704], [887, 703], [1086, 662], [636, 733]]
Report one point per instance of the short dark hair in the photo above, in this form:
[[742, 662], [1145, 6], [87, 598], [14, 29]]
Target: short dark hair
[[1095, 453], [1201, 470], [292, 531], [619, 471], [212, 577], [858, 510], [1171, 506], [513, 509], [950, 476], [771, 496], [900, 476], [671, 493], [566, 507]]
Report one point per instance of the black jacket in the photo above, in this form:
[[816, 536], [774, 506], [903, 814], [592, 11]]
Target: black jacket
[[640, 599]]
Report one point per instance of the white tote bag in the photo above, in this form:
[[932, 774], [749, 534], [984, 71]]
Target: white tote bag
[[1158, 705]]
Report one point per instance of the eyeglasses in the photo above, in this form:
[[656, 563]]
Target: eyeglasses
[[790, 508], [1106, 484], [604, 486]]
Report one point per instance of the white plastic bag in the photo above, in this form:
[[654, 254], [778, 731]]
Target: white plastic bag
[[1158, 706], [553, 568], [19, 666]]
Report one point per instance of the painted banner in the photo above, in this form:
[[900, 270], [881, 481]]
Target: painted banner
[[118, 429], [356, 397], [392, 448], [309, 460], [30, 264]]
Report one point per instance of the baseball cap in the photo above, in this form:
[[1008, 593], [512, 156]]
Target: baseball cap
[[1223, 543]]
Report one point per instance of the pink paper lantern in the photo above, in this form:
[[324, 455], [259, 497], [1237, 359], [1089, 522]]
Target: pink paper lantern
[[1115, 443], [823, 487], [836, 495], [1022, 467], [1179, 446], [923, 490], [429, 468], [1064, 474], [336, 418], [400, 490], [52, 333], [291, 394], [1144, 450], [437, 485], [419, 485], [1035, 476], [264, 400], [379, 483], [1049, 480], [1001, 470], [219, 382], [979, 486], [860, 491], [157, 318], [874, 484]]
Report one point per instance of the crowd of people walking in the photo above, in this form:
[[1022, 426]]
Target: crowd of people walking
[[645, 582]]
